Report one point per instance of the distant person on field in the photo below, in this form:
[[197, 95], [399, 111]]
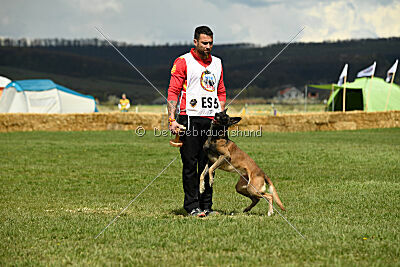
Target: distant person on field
[[124, 104]]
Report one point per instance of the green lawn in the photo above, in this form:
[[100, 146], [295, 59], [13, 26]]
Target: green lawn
[[59, 190]]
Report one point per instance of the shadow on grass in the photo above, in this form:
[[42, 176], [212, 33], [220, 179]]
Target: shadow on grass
[[180, 211]]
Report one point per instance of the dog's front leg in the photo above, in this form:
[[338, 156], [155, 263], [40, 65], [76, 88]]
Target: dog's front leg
[[202, 183], [216, 165]]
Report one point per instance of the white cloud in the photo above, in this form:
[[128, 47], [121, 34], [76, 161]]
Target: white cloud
[[158, 21], [340, 20], [385, 20], [97, 6], [5, 20], [331, 21]]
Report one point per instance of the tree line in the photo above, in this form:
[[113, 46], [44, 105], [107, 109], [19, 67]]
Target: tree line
[[100, 71]]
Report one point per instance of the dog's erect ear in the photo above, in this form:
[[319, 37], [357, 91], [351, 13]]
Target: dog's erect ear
[[225, 110], [234, 120]]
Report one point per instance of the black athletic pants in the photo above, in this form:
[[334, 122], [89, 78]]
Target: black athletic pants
[[194, 159]]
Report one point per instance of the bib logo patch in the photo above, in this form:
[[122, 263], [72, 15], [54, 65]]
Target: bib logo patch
[[207, 81], [193, 102]]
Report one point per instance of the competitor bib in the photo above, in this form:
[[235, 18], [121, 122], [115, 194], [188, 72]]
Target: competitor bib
[[202, 85]]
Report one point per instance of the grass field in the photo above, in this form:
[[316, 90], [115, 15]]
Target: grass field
[[59, 190]]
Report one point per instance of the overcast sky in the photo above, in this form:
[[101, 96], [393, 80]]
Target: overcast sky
[[159, 21]]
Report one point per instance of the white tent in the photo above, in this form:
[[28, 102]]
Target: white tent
[[44, 96], [3, 83]]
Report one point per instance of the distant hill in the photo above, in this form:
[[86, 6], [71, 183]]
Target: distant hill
[[101, 71]]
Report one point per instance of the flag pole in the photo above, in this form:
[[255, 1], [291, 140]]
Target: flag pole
[[369, 87], [305, 99], [390, 89], [344, 94], [333, 99]]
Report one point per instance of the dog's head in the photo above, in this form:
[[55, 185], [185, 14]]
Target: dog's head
[[223, 119]]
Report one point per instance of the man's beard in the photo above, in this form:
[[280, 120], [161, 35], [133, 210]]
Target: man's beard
[[204, 52]]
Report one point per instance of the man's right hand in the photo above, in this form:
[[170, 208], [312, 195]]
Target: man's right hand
[[174, 127]]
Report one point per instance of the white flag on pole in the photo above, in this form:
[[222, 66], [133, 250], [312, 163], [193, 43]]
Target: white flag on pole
[[368, 71], [391, 71], [342, 75]]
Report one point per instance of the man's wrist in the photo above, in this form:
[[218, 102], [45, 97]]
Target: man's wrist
[[222, 105], [171, 120]]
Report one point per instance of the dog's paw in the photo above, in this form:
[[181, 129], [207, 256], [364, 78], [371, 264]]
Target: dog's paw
[[202, 188], [270, 213]]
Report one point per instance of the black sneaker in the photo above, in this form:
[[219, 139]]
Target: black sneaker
[[197, 213], [210, 212]]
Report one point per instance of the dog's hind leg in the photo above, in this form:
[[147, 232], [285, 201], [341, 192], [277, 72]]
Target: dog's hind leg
[[202, 184], [253, 203], [269, 198], [261, 194], [241, 188]]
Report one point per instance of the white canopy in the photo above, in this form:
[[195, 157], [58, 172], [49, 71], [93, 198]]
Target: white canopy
[[43, 96]]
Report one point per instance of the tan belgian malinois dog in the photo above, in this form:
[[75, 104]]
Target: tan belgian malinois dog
[[224, 154]]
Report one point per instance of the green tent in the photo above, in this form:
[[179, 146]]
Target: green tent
[[357, 95]]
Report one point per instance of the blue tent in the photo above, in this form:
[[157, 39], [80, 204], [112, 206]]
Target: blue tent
[[44, 96]]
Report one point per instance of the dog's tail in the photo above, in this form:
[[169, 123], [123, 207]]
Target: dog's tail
[[272, 190]]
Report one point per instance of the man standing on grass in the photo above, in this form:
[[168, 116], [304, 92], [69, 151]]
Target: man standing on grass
[[197, 81]]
